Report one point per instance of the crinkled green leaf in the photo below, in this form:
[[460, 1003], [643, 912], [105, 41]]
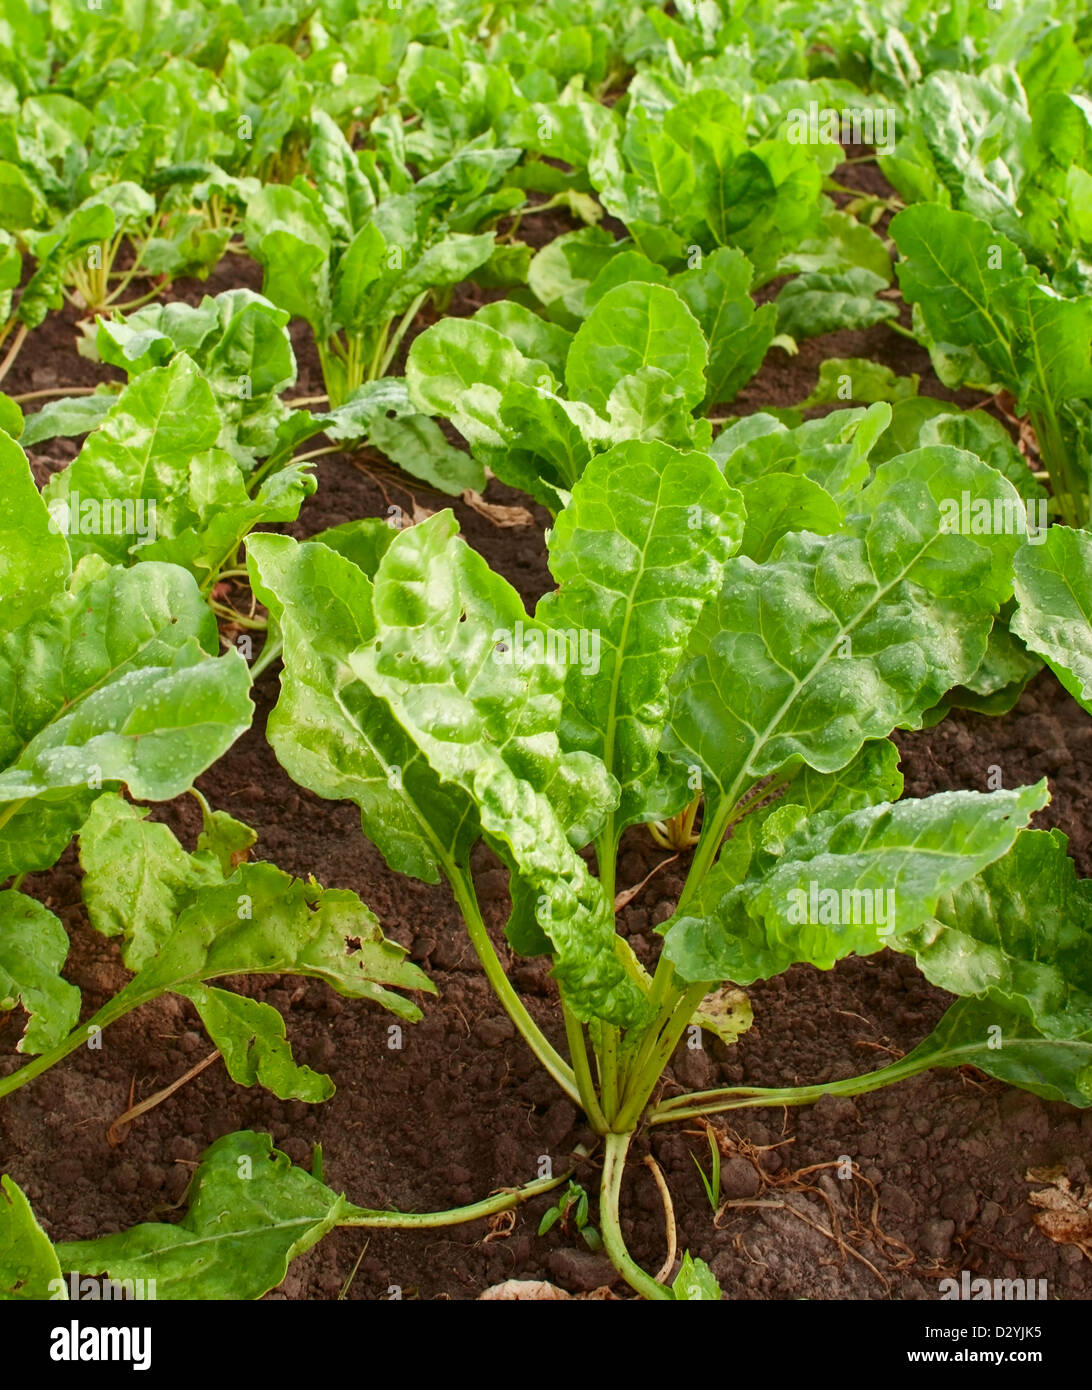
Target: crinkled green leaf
[[1018, 935], [843, 637], [845, 885], [481, 697], [819, 302], [140, 455], [136, 876], [261, 920], [637, 553], [1054, 606], [110, 681], [240, 342], [33, 947], [328, 730], [204, 524]]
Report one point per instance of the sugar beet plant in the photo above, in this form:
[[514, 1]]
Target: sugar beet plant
[[744, 610], [668, 661], [110, 682]]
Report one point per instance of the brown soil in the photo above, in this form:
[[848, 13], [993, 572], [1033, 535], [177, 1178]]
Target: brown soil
[[462, 1108]]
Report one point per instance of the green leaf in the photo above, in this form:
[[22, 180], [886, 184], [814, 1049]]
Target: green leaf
[[833, 451], [446, 262], [202, 527], [984, 1034], [975, 290], [980, 140], [717, 293], [11, 417], [229, 839], [33, 947], [286, 234], [637, 553], [29, 1268], [481, 697], [987, 437], [364, 542], [136, 876], [821, 302], [185, 922], [460, 367], [188, 918], [626, 267], [251, 1213], [866, 382], [11, 273], [362, 281], [417, 444], [155, 730], [388, 398], [66, 418], [999, 680], [138, 459], [845, 885], [652, 404], [22, 205], [535, 337], [562, 273], [552, 439], [34, 556], [110, 681], [842, 243], [329, 732], [634, 326], [1018, 935], [1054, 606], [843, 637], [149, 337], [778, 503], [695, 1281], [55, 251], [251, 1039], [239, 341]]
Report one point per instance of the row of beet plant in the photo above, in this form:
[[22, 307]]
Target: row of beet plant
[[740, 620]]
